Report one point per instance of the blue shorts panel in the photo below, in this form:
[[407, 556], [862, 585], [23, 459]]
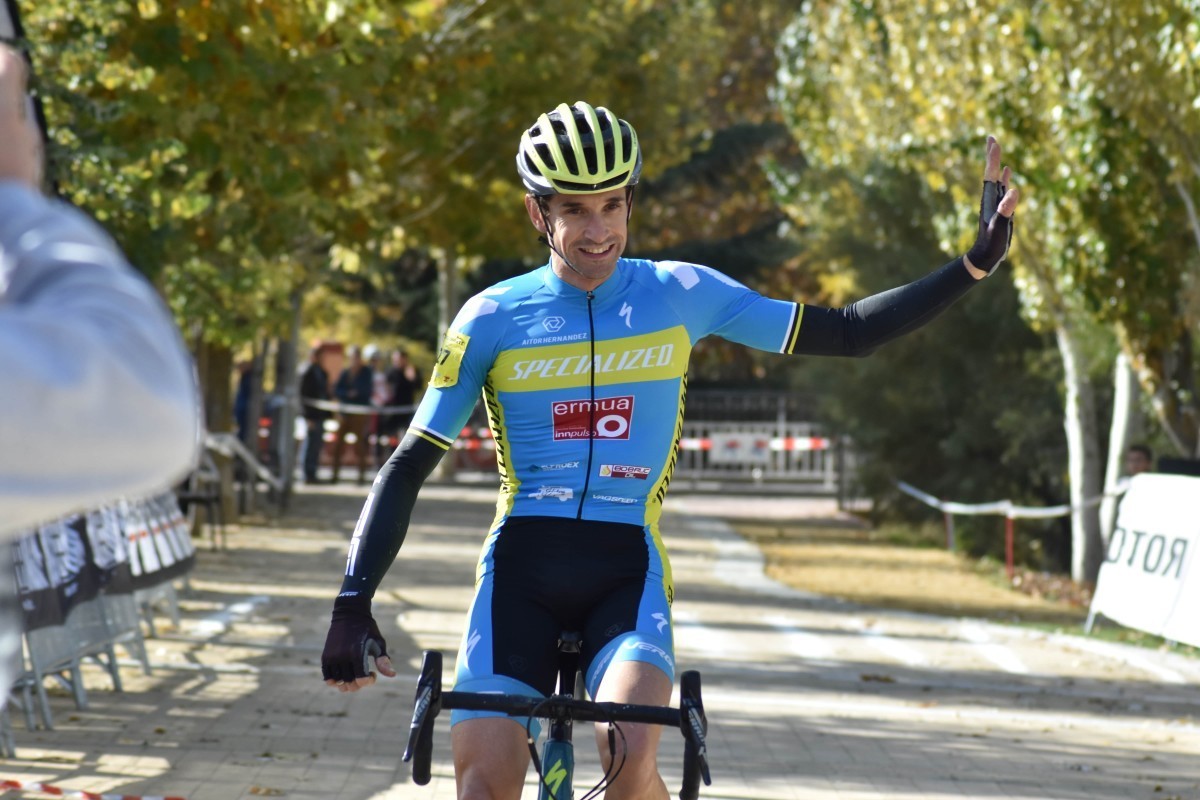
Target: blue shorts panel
[[634, 646], [496, 684]]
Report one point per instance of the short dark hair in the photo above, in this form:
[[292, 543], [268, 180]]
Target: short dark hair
[[1143, 449]]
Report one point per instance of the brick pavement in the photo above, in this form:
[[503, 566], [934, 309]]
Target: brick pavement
[[807, 697]]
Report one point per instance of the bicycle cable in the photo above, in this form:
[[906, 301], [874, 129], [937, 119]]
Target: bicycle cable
[[610, 774], [532, 742], [614, 768]]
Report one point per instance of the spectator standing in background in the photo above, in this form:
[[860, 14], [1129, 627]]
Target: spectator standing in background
[[403, 379], [379, 398], [314, 385], [241, 401], [354, 387], [1139, 458]]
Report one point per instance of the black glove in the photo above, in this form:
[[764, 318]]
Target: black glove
[[995, 230], [352, 641]]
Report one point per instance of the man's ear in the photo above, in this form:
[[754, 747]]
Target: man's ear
[[535, 214]]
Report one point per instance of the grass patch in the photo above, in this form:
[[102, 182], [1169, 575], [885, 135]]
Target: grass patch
[[907, 567], [892, 567]]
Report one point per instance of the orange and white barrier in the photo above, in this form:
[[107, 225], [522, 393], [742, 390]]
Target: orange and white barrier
[[771, 443], [74, 794]]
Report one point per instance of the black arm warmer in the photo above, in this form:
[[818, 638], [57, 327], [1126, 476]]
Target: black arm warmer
[[384, 522], [859, 328]]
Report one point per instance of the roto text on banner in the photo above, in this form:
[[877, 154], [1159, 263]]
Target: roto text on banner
[[1150, 578]]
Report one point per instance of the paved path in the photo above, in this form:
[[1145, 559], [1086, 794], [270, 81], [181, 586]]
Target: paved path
[[807, 697]]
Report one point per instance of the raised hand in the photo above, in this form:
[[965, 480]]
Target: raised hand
[[996, 210]]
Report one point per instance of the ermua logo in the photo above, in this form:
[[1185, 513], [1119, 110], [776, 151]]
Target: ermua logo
[[613, 415]]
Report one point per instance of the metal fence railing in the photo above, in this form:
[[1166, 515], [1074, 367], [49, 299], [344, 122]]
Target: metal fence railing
[[797, 453]]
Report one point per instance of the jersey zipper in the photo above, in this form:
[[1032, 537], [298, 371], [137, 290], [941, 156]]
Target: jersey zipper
[[587, 476]]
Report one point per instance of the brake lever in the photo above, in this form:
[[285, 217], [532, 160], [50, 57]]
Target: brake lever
[[694, 731], [421, 708]]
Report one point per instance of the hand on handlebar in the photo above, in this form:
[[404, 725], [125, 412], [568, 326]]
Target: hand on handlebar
[[353, 640]]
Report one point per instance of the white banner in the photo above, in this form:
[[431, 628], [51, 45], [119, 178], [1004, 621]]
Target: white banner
[[1149, 579], [740, 448]]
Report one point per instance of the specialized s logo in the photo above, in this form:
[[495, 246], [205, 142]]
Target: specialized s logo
[[555, 776], [613, 415], [626, 313], [472, 640]]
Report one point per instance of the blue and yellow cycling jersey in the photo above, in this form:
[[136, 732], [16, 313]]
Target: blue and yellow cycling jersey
[[585, 390]]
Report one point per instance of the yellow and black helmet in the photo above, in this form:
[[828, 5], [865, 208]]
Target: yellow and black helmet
[[579, 150]]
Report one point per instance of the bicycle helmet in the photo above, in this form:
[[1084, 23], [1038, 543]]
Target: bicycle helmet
[[578, 150]]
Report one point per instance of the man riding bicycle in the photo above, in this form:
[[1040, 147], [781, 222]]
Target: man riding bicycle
[[582, 366]]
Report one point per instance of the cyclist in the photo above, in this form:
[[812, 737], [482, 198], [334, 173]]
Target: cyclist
[[582, 366]]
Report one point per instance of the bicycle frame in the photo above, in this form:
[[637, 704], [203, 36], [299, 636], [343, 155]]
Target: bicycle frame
[[558, 761], [558, 753]]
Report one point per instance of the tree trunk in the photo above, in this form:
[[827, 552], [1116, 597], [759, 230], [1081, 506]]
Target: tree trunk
[[1168, 377], [1126, 424], [1079, 419], [447, 308], [214, 364], [1186, 197], [287, 384], [254, 409]]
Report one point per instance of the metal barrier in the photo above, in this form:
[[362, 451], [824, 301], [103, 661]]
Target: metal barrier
[[82, 584], [795, 456], [92, 629], [796, 453]]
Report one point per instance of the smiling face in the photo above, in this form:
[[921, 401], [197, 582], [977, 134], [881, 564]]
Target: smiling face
[[589, 229]]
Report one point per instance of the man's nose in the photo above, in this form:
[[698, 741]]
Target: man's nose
[[597, 228]]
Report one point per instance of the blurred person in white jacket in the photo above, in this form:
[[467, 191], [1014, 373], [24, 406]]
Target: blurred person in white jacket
[[98, 397]]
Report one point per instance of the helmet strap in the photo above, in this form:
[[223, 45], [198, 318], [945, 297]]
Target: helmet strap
[[548, 239]]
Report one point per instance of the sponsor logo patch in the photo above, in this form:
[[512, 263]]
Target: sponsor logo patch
[[612, 498], [624, 471], [553, 324], [562, 493], [630, 360], [572, 337], [647, 647], [554, 467], [614, 416]]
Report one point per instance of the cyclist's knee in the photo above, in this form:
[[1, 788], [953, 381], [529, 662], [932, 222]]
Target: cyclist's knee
[[490, 759], [484, 781], [635, 747], [638, 776], [479, 788]]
